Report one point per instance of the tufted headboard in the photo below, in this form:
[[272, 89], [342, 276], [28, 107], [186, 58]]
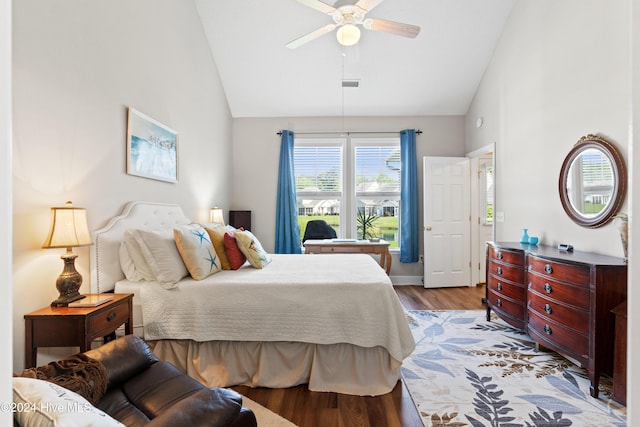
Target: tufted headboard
[[105, 259]]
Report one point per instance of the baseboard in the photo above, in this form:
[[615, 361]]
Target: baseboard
[[406, 280]]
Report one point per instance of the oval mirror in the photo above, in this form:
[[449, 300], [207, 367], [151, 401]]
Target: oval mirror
[[592, 181]]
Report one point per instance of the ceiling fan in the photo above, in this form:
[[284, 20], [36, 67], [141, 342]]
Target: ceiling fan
[[348, 17]]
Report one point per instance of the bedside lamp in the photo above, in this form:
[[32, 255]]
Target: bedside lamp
[[216, 215], [68, 229]]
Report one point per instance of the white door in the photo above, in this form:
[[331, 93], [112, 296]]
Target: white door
[[447, 222]]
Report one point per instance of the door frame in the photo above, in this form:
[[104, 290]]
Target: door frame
[[478, 255]]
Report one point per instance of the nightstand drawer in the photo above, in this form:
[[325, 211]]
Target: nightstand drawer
[[108, 320]]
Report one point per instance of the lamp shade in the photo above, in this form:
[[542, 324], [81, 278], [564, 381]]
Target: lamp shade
[[68, 228], [348, 35], [216, 215]]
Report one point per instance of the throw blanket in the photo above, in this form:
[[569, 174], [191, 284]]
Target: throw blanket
[[78, 373], [321, 299]]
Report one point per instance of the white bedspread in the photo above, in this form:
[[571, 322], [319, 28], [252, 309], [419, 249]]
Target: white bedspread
[[321, 299]]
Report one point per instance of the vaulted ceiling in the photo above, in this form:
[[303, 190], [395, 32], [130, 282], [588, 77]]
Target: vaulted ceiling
[[436, 73]]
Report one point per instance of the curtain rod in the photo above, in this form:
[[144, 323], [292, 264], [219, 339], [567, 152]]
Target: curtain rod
[[418, 132]]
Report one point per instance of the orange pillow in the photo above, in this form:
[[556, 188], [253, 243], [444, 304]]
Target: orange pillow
[[216, 234], [235, 256]]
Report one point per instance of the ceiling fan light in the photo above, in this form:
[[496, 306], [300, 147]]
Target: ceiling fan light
[[348, 35]]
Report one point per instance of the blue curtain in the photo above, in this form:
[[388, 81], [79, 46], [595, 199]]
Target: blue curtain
[[287, 232], [409, 231]]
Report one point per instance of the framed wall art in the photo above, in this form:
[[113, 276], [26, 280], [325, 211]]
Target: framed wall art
[[152, 148]]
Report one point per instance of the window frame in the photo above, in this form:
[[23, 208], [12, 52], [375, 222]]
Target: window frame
[[348, 195]]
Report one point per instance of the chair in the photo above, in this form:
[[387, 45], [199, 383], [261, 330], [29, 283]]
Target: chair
[[318, 229]]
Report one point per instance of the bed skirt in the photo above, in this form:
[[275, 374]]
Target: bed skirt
[[339, 368]]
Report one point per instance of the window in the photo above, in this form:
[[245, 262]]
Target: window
[[318, 167], [352, 183]]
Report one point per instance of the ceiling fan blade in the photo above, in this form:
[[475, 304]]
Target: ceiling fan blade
[[397, 28], [311, 36], [367, 5], [318, 5]]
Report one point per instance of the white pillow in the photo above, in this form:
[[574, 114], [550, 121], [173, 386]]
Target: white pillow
[[197, 251], [126, 264], [160, 250], [250, 246], [132, 249], [39, 403]]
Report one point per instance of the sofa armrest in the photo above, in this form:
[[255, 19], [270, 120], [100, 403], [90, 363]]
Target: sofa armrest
[[208, 407], [123, 358]]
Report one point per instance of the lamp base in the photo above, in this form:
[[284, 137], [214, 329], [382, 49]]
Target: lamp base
[[68, 282], [64, 301]]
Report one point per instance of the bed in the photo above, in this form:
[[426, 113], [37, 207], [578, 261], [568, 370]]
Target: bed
[[333, 321]]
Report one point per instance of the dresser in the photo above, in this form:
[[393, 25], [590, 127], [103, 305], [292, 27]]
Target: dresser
[[566, 303]]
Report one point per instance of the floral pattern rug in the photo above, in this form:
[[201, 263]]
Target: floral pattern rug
[[466, 371]]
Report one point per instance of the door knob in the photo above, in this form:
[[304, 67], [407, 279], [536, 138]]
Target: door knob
[[428, 228]]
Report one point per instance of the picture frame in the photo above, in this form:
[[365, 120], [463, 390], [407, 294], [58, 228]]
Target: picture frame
[[152, 148]]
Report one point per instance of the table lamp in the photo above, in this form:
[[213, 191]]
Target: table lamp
[[216, 215], [68, 229]]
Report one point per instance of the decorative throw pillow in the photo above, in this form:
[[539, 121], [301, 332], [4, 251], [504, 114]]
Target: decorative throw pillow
[[252, 249], [196, 249], [216, 233], [235, 255], [41, 403], [132, 253], [160, 251]]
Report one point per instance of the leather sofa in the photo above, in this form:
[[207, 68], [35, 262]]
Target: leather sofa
[[145, 391], [141, 390]]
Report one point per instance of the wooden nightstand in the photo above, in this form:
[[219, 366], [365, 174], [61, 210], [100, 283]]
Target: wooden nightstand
[[71, 327]]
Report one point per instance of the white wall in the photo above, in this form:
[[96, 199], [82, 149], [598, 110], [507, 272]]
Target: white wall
[[77, 66], [256, 151], [559, 72], [562, 70], [5, 213]]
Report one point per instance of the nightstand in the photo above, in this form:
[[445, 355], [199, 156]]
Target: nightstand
[[75, 327]]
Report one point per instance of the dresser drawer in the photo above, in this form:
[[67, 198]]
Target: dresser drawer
[[559, 337], [572, 317], [562, 293], [108, 320], [507, 256], [506, 272], [566, 272], [504, 305], [507, 288]]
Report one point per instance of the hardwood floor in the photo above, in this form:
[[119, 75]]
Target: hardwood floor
[[396, 409]]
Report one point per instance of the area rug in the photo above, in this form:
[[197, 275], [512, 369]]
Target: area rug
[[264, 416], [466, 371]]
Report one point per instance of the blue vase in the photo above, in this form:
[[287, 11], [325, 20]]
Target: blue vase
[[525, 237]]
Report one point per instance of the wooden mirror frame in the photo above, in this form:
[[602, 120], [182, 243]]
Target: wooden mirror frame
[[619, 181]]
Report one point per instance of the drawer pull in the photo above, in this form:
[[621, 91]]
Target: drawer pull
[[547, 329], [499, 270], [547, 288], [548, 269], [500, 255], [548, 309], [499, 286], [499, 302], [111, 316]]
